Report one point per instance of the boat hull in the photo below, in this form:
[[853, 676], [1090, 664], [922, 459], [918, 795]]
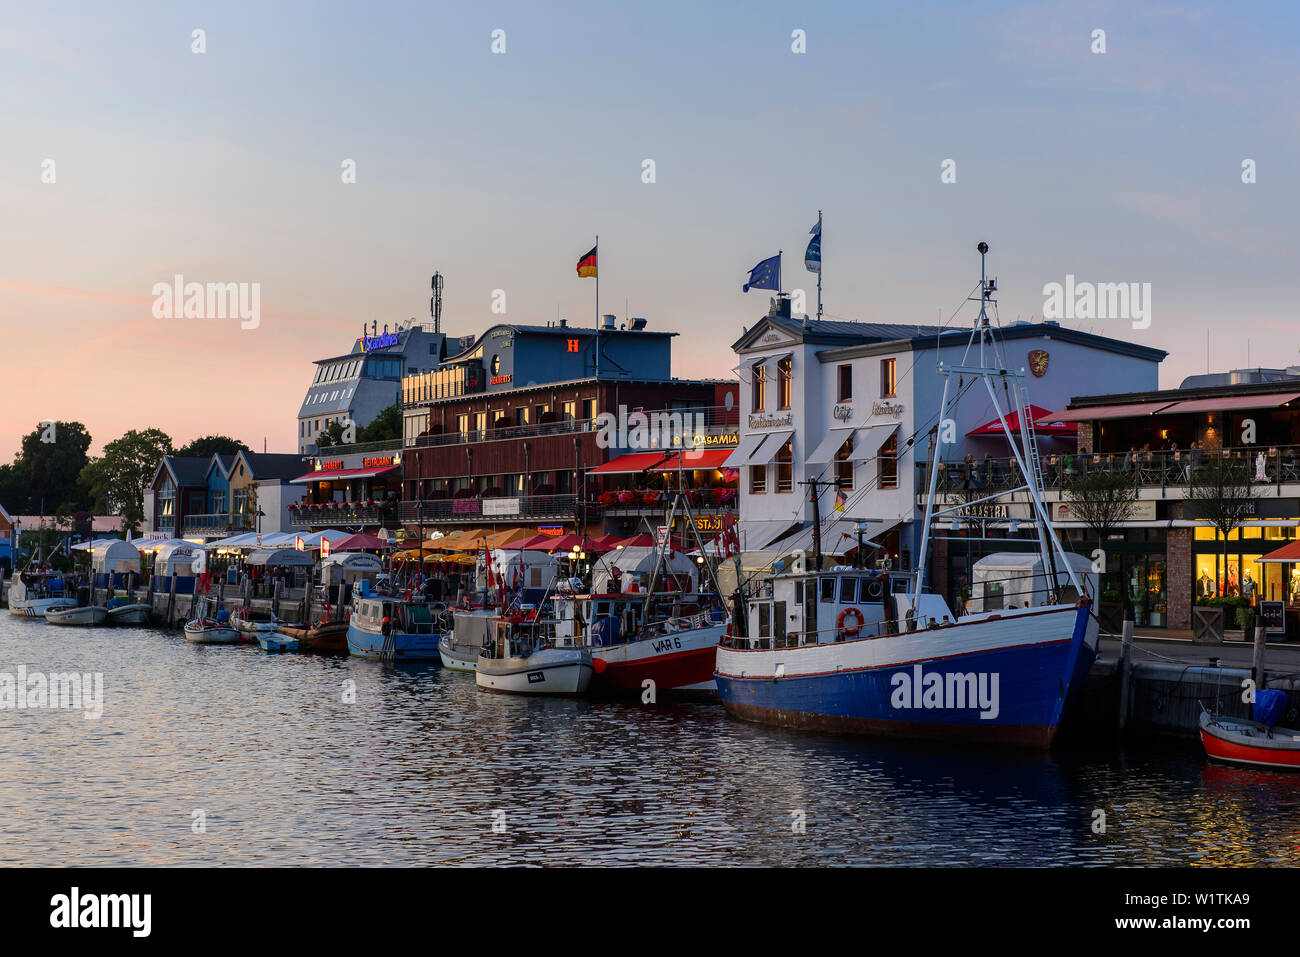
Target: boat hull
[[1001, 679], [457, 657], [212, 636], [330, 638], [37, 607], [273, 642], [678, 663], [551, 671], [83, 615], [1248, 743], [129, 615], [395, 646]]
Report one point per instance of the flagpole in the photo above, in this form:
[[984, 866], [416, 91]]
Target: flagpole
[[597, 308], [820, 261]]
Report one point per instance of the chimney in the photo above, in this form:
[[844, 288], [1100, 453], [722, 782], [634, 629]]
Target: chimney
[[609, 321], [564, 323]]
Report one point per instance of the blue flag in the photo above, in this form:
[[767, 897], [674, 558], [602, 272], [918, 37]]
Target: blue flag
[[766, 275], [813, 257]]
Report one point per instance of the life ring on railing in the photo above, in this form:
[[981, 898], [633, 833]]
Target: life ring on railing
[[850, 622]]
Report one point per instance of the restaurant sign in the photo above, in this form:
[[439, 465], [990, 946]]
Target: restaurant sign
[[501, 506], [761, 421], [465, 506], [331, 466], [378, 461], [894, 409]]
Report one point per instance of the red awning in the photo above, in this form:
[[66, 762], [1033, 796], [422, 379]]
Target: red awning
[[1231, 403], [1037, 414], [631, 463], [695, 459], [329, 475], [1290, 552], [1104, 412]]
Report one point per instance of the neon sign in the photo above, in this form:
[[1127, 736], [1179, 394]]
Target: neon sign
[[378, 342]]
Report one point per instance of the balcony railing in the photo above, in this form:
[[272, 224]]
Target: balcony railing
[[1156, 469], [712, 420], [342, 513], [217, 522], [385, 445], [500, 509]]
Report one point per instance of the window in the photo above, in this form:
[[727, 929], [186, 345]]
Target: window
[[462, 426], [848, 591], [888, 378], [760, 386], [846, 383], [570, 410], [784, 374], [757, 479], [844, 465], [887, 463], [764, 620], [521, 415], [827, 589], [785, 467], [480, 425], [589, 409]]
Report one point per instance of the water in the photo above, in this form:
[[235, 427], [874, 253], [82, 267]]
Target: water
[[417, 770]]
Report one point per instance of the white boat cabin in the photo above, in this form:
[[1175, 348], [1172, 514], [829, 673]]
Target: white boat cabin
[[839, 604], [409, 618], [616, 618]]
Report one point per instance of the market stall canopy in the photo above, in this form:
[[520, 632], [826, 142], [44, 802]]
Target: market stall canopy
[[114, 554], [541, 543], [329, 475], [82, 546], [313, 540], [245, 540], [1290, 552], [506, 538], [1037, 414], [281, 557], [635, 541], [457, 541], [558, 543], [275, 539], [604, 543], [358, 542]]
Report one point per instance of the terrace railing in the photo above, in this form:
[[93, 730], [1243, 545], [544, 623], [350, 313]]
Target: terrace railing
[[1163, 469], [343, 513]]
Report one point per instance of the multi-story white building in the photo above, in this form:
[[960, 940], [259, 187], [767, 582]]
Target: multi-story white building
[[822, 400]]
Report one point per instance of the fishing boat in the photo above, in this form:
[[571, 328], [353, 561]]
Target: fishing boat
[[32, 593], [1253, 743], [459, 648], [525, 656], [208, 628], [274, 641], [384, 628], [325, 638], [871, 652], [122, 611], [252, 629], [77, 615]]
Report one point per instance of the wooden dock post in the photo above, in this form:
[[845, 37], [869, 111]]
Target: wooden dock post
[[1257, 659], [1125, 667], [171, 603]]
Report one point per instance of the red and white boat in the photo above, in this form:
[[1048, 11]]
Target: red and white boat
[[670, 640], [1245, 742]]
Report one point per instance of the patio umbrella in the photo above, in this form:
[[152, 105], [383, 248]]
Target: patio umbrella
[[359, 542], [636, 541]]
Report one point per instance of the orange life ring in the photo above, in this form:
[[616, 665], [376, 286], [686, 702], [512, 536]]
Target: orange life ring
[[850, 630]]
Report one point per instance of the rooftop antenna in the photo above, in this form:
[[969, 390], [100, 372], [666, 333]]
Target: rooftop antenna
[[435, 303]]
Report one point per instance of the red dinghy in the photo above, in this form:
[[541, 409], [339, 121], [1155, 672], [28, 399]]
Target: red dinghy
[[1242, 741]]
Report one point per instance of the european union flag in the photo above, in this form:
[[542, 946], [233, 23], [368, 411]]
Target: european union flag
[[766, 275], [812, 258]]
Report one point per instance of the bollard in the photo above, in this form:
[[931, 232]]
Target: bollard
[[1257, 658], [1125, 656]]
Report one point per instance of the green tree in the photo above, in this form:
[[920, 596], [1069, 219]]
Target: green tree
[[119, 478], [1221, 490], [53, 455], [386, 425], [329, 436], [209, 445]]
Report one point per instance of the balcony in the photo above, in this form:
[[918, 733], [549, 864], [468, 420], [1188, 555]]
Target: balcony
[[504, 509], [330, 514], [1157, 473], [217, 523]]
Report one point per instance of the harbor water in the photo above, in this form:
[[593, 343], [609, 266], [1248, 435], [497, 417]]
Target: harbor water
[[208, 755]]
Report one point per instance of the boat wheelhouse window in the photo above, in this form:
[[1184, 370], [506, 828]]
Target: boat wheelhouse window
[[848, 590], [993, 597], [828, 589], [602, 609], [872, 590], [798, 593], [778, 619], [764, 620]]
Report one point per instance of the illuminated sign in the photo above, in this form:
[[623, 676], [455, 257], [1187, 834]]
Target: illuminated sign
[[331, 466], [573, 344], [887, 408], [761, 421], [552, 530], [500, 379], [377, 462], [465, 506], [378, 342]]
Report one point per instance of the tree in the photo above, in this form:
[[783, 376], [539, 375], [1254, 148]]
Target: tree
[[1220, 490], [209, 445], [386, 425], [119, 478], [53, 455], [1103, 501], [329, 436]]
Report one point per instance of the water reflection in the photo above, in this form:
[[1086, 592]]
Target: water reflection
[[293, 759]]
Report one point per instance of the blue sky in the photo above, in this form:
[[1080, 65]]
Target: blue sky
[[499, 169]]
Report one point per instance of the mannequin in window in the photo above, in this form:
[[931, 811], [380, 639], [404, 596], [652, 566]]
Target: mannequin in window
[[1232, 583], [1205, 585], [1247, 586]]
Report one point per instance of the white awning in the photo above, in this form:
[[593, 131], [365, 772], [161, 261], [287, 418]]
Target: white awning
[[869, 440], [767, 451], [830, 445], [748, 446]]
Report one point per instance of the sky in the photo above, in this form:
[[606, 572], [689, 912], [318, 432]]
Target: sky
[[498, 169]]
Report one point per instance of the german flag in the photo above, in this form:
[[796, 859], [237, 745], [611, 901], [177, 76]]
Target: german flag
[[587, 264]]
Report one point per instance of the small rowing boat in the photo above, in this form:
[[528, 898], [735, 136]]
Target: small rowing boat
[[1257, 744], [275, 641], [80, 615], [325, 638]]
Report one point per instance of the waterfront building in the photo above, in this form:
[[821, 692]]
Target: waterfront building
[[356, 487], [1168, 554], [857, 404], [358, 385], [203, 499], [516, 427]]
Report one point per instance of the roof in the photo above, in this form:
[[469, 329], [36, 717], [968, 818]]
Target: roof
[[273, 465], [185, 470], [329, 475], [843, 334], [568, 332], [1164, 397]]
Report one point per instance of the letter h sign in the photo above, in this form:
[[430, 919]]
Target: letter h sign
[[573, 344]]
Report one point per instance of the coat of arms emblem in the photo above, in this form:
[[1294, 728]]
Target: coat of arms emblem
[[1038, 362]]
